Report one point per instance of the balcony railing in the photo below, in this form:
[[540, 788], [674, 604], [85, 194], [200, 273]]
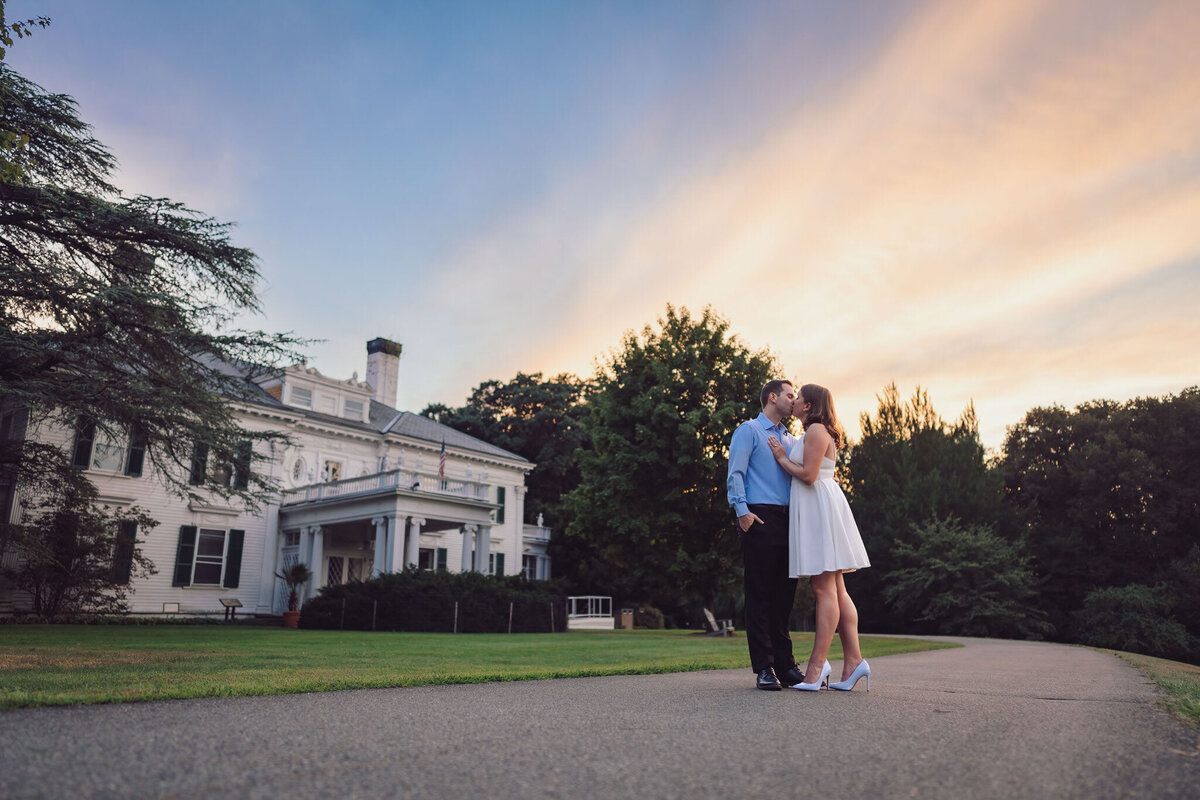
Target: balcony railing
[[536, 533], [386, 482]]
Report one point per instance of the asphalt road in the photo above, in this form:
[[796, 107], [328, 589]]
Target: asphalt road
[[991, 720]]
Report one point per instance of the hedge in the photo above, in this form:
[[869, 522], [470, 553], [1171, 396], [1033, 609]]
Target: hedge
[[425, 601]]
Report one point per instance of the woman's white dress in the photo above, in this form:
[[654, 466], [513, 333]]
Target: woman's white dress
[[822, 535]]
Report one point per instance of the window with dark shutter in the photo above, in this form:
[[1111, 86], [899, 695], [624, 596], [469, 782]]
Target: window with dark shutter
[[233, 559], [499, 564], [85, 434], [241, 465], [185, 554], [137, 452], [500, 501], [199, 464], [443, 560], [123, 551]]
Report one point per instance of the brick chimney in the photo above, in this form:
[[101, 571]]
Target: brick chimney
[[383, 367]]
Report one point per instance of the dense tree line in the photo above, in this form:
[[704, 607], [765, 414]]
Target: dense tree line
[[1108, 497], [1084, 527]]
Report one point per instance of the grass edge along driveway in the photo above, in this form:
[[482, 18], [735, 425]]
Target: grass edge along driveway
[[1179, 681], [54, 665]]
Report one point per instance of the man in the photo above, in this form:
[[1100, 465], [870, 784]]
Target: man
[[758, 491]]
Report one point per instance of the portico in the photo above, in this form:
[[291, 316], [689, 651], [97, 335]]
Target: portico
[[386, 522]]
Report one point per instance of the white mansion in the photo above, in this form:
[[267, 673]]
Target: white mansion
[[360, 494]]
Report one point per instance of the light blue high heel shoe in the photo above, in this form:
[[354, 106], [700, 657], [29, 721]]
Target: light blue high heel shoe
[[816, 687], [863, 670]]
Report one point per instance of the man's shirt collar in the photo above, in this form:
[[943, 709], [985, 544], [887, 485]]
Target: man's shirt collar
[[765, 421]]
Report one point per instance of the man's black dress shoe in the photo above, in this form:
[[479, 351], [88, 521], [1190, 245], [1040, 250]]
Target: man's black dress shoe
[[792, 676], [767, 680]]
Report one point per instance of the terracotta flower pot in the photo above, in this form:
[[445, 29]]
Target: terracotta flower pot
[[291, 619]]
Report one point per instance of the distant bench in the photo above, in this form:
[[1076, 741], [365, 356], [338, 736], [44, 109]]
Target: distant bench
[[715, 627]]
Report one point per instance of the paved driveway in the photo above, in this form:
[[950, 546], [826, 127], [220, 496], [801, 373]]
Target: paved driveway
[[991, 720]]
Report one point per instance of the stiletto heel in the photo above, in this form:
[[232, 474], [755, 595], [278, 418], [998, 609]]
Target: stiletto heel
[[863, 670], [816, 686]]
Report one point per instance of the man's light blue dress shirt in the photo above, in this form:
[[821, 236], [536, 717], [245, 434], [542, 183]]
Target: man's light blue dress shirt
[[754, 475]]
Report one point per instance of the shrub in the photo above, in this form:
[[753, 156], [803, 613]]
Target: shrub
[[1135, 618], [424, 601], [953, 578], [648, 617]]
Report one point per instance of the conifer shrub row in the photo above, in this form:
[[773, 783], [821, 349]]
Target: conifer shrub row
[[425, 601]]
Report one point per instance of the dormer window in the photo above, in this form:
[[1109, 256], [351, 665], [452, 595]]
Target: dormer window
[[301, 397], [352, 409]]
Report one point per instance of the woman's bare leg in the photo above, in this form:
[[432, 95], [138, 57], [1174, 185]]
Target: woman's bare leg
[[825, 591], [847, 628]]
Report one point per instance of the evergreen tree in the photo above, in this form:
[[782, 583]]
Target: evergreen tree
[[116, 313], [909, 469]]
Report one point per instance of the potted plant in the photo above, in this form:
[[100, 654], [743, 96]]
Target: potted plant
[[294, 576]]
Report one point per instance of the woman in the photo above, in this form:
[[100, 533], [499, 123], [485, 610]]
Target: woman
[[823, 539]]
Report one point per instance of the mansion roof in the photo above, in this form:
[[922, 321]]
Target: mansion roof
[[382, 419]]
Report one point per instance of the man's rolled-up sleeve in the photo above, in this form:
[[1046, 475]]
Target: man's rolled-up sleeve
[[739, 461]]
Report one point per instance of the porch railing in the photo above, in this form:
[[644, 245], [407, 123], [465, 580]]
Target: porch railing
[[385, 482], [589, 605], [536, 533]]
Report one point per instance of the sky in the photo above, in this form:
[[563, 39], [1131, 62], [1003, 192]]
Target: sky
[[996, 201]]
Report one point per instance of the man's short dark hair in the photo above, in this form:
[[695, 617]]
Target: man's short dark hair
[[773, 387]]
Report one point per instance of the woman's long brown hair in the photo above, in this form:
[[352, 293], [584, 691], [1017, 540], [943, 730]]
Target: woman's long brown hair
[[822, 411]]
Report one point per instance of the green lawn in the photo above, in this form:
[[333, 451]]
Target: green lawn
[[1180, 681], [43, 665]]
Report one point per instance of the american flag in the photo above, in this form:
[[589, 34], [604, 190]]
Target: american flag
[[442, 461]]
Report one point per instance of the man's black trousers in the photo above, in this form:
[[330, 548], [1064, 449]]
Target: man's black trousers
[[769, 591]]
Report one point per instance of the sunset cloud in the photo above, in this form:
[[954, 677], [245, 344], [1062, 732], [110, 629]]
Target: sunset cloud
[[951, 218], [996, 200]]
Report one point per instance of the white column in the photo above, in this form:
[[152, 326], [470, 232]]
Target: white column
[[395, 548], [414, 541], [318, 557], [518, 529], [381, 529], [274, 581], [280, 538], [468, 533], [483, 545], [305, 554]]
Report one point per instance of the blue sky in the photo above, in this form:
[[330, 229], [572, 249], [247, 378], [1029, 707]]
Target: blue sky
[[994, 200]]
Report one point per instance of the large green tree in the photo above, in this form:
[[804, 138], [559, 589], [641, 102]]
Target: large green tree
[[909, 469], [1110, 493], [650, 518], [117, 314], [539, 419]]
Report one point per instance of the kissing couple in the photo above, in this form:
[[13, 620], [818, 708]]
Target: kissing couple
[[793, 520]]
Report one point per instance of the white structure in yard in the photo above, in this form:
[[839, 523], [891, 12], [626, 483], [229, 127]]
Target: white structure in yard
[[360, 495]]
